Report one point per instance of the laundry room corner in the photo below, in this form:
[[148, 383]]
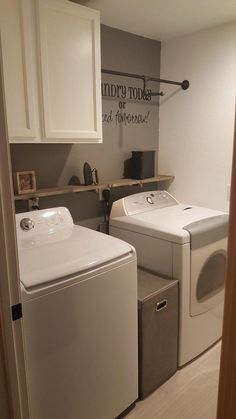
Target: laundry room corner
[[117, 130], [197, 126]]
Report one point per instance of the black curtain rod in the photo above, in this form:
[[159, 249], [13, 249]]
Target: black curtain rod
[[184, 84]]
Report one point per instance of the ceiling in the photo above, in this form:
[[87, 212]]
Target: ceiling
[[163, 19]]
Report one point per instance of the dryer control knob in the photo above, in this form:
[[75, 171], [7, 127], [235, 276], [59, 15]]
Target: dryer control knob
[[149, 200], [27, 224]]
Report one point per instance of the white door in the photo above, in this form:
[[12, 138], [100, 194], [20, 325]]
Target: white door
[[18, 69], [11, 342], [69, 36]]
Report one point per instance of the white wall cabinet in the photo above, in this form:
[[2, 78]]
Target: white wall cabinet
[[52, 75], [70, 70], [18, 72]]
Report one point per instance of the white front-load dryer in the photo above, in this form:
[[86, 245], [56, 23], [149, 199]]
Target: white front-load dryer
[[183, 242]]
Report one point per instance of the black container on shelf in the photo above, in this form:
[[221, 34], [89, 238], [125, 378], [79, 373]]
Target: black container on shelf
[[141, 165]]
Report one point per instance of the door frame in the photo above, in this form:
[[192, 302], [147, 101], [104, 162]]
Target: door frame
[[227, 382], [11, 332]]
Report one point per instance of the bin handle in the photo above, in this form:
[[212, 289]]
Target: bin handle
[[161, 305]]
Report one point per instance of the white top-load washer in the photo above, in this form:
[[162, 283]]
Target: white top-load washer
[[182, 242], [79, 298]]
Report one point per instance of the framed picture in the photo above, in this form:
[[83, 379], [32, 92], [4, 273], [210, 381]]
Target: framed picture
[[24, 182]]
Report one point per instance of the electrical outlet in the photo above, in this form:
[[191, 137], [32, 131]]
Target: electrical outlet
[[228, 192], [33, 204]]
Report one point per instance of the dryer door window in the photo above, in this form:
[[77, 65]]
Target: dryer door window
[[212, 276], [208, 268]]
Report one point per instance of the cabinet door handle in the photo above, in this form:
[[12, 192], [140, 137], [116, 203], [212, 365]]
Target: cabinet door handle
[[161, 305]]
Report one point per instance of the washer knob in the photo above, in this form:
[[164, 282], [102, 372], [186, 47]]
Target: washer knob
[[27, 224]]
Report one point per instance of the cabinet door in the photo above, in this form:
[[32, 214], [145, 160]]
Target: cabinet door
[[19, 82], [69, 38]]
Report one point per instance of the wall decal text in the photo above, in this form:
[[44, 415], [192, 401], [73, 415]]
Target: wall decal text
[[121, 91], [125, 93]]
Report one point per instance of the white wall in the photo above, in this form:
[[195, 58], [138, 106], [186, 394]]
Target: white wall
[[196, 126]]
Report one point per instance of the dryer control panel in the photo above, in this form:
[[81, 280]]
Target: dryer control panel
[[142, 202]]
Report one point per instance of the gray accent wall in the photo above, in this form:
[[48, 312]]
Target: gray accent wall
[[54, 164]]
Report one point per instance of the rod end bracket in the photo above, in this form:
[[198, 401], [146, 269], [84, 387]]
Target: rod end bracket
[[185, 84]]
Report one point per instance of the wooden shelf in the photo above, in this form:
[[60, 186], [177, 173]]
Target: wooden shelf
[[82, 188]]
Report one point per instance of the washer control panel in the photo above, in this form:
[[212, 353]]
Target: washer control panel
[[142, 202], [43, 221]]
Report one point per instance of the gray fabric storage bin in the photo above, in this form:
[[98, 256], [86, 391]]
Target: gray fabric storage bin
[[158, 330]]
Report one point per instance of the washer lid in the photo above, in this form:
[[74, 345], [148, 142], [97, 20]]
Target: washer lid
[[58, 255], [165, 223]]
